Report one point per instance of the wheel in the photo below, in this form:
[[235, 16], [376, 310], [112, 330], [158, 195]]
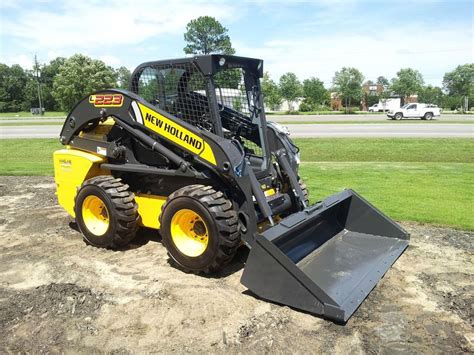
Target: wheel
[[305, 191], [199, 228], [106, 212], [428, 116], [398, 116]]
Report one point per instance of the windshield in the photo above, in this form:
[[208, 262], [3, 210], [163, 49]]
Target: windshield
[[405, 106], [236, 93]]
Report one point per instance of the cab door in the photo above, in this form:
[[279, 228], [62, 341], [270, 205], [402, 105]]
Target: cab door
[[412, 110]]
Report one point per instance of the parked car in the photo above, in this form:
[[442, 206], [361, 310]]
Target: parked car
[[423, 111]]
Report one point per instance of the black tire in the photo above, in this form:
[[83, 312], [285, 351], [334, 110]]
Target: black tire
[[428, 116], [220, 220], [305, 191], [121, 210], [398, 116]]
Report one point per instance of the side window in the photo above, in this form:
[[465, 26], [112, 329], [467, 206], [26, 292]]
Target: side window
[[159, 86], [148, 85], [170, 88], [411, 107], [230, 86]]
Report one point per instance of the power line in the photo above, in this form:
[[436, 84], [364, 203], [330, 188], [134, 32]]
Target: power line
[[39, 86]]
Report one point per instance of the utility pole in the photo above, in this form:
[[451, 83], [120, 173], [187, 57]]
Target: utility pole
[[39, 86]]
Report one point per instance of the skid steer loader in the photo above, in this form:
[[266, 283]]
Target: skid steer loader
[[187, 150]]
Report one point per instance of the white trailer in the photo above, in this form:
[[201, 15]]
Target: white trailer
[[385, 105]]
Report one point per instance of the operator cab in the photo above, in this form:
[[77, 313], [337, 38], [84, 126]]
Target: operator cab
[[219, 94]]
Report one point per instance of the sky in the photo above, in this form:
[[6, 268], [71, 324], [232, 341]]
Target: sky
[[311, 39]]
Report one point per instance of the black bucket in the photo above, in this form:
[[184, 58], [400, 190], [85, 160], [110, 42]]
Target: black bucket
[[326, 259]]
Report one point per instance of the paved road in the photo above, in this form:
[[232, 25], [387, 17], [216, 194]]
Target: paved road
[[355, 118], [428, 130], [280, 118], [30, 131], [32, 120]]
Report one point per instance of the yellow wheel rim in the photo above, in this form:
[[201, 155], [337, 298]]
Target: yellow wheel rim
[[189, 233], [95, 215]]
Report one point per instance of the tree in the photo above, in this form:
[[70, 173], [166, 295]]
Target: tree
[[206, 35], [408, 82], [47, 74], [4, 94], [78, 76], [431, 95], [452, 102], [315, 93], [381, 80], [12, 87], [123, 77], [237, 103], [348, 85], [460, 82], [30, 93], [371, 100], [290, 88], [230, 79], [271, 92]]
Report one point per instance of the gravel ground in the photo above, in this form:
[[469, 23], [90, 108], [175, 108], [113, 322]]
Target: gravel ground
[[57, 295]]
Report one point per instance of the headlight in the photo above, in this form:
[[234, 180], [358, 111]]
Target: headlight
[[298, 158], [280, 128]]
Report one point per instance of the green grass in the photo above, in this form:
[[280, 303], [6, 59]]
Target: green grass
[[451, 150], [437, 193], [27, 156], [19, 124], [459, 112], [421, 180], [298, 113], [26, 114]]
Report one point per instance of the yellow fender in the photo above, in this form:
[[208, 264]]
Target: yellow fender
[[71, 168]]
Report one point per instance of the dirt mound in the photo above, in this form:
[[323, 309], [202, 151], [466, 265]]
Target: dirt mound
[[45, 307], [48, 300], [59, 295]]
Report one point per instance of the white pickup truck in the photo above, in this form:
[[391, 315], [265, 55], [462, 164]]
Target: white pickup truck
[[423, 111]]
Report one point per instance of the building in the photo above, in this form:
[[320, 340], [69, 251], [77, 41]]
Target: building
[[373, 89], [370, 89], [336, 102]]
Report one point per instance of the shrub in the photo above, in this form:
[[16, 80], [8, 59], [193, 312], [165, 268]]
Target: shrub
[[352, 109], [306, 106]]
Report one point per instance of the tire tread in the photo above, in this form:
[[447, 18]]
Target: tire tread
[[125, 208], [223, 213]]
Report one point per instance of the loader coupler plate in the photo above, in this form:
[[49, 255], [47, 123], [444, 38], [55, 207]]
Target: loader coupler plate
[[325, 260]]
